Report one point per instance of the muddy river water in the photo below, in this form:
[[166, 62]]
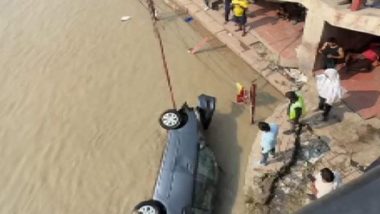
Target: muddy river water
[[80, 95]]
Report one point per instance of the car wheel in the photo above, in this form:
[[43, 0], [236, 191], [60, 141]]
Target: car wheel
[[170, 119], [148, 207]]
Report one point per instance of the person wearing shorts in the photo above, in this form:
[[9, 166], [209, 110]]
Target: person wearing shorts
[[239, 8]]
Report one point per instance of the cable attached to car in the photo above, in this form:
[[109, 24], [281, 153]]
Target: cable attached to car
[[153, 14]]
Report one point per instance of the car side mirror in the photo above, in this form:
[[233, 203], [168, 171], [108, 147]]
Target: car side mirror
[[206, 108]]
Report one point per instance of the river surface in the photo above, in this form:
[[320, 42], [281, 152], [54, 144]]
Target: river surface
[[80, 97]]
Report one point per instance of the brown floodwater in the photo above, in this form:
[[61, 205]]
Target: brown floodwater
[[80, 96]]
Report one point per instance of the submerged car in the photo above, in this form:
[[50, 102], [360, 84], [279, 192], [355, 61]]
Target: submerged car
[[188, 174]]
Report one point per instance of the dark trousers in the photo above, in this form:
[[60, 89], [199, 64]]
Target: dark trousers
[[329, 62], [227, 10], [324, 107], [207, 3], [265, 156]]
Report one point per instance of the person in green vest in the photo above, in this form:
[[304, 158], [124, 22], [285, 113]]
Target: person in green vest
[[296, 109]]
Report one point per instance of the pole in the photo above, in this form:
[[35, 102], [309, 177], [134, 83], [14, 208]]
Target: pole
[[253, 102]]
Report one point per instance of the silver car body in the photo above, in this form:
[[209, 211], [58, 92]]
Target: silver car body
[[176, 181]]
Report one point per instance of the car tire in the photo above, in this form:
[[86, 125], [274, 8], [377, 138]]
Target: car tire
[[149, 207], [170, 119]]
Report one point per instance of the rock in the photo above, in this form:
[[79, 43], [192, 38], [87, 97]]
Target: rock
[[314, 160], [273, 67], [260, 175], [257, 180], [286, 190], [302, 79], [287, 181], [298, 174], [362, 130], [295, 75], [339, 150], [306, 154]]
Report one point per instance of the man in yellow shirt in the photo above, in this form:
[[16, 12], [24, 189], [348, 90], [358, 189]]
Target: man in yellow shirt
[[239, 8]]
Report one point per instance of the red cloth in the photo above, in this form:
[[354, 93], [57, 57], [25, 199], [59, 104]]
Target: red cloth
[[240, 98], [370, 54], [356, 5]]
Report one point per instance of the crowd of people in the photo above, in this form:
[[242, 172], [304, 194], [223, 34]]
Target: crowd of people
[[239, 9], [332, 53], [322, 182], [325, 180], [330, 92], [328, 86], [289, 11]]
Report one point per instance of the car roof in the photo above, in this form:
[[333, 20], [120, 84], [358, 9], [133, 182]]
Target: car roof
[[175, 183]]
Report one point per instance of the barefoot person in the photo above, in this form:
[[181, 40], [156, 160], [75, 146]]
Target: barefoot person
[[239, 8], [330, 91]]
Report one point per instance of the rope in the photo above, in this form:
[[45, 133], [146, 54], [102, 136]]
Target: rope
[[286, 169], [152, 11]]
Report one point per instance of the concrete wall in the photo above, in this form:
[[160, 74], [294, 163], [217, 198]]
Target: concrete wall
[[321, 11]]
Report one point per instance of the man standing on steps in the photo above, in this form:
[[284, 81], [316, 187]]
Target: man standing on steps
[[239, 8], [227, 10], [296, 109], [268, 140]]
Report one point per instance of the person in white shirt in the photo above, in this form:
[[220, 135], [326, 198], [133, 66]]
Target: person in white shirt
[[325, 182], [330, 91]]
